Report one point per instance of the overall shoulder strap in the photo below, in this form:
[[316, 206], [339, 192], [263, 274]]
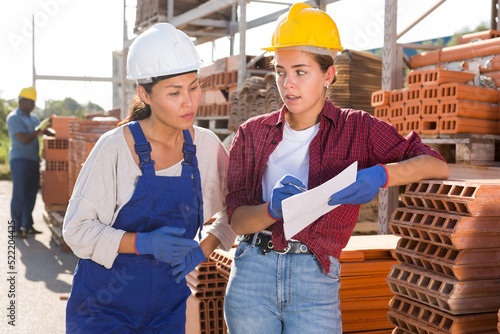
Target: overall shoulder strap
[[142, 148]]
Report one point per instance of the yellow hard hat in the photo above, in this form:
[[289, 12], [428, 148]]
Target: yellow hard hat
[[28, 93], [305, 26]]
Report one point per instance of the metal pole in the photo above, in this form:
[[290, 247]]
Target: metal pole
[[242, 59], [124, 99], [33, 51], [388, 198]]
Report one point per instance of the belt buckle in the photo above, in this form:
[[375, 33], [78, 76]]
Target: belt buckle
[[284, 251]]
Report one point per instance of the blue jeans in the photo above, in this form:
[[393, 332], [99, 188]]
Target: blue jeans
[[281, 294], [25, 183]]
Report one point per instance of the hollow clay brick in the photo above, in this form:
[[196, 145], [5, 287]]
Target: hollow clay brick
[[453, 124], [430, 93], [471, 109], [412, 94], [412, 110], [380, 98], [430, 125], [438, 76], [430, 108], [467, 92], [414, 79], [382, 112], [396, 96]]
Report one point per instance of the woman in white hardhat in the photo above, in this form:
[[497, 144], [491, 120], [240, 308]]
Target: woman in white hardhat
[[144, 192], [291, 285]]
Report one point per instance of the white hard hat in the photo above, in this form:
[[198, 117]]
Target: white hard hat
[[161, 50]]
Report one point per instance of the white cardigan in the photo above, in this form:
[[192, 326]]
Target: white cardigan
[[108, 179]]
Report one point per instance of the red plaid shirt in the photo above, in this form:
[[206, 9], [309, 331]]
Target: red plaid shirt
[[344, 136]]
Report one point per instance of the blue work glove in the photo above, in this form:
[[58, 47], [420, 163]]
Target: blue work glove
[[185, 266], [288, 186], [165, 244], [368, 182]]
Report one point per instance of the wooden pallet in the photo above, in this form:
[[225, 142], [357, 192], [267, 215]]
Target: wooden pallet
[[466, 148], [54, 220]]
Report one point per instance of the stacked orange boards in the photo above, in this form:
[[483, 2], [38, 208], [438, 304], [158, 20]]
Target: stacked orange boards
[[364, 293], [442, 101], [448, 275]]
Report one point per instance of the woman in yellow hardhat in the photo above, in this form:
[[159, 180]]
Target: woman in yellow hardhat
[[292, 286]]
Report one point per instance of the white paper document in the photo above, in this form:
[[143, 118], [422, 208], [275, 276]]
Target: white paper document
[[302, 209]]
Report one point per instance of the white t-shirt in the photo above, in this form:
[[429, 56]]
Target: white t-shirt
[[107, 182], [291, 156]]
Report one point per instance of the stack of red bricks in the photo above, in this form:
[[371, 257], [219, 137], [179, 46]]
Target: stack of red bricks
[[448, 277], [205, 306], [83, 136], [55, 152], [442, 101], [364, 293]]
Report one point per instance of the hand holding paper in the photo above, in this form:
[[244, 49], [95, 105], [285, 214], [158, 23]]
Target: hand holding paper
[[288, 186], [368, 182], [301, 210]]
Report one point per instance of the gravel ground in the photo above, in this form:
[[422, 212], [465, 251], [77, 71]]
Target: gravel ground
[[42, 275]]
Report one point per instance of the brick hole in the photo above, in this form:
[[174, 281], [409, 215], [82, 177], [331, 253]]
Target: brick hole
[[426, 220], [451, 224], [431, 249], [404, 231], [439, 221], [444, 189], [451, 206], [414, 311], [423, 248], [446, 324], [417, 202], [447, 289], [422, 297], [429, 125], [414, 261], [412, 187], [425, 236], [435, 237], [436, 320], [438, 204], [437, 268], [398, 304], [469, 191], [412, 293], [403, 243], [426, 265], [443, 305], [398, 214], [452, 255], [441, 252], [457, 190], [449, 272], [445, 240], [462, 208], [426, 203]]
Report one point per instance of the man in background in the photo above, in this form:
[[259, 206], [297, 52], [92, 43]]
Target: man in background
[[24, 129]]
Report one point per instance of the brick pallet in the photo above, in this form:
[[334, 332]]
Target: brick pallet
[[447, 278]]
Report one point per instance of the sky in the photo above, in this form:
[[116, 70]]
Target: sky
[[77, 37]]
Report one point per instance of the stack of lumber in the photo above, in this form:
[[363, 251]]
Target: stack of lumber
[[448, 276], [364, 293], [358, 75]]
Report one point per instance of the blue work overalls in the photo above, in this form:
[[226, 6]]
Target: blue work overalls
[[139, 294]]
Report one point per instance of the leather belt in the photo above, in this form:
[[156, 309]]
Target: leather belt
[[265, 243]]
